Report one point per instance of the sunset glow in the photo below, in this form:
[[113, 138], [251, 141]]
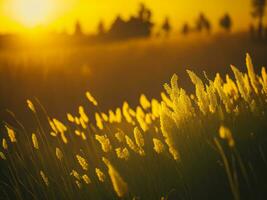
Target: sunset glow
[[31, 12], [61, 15]]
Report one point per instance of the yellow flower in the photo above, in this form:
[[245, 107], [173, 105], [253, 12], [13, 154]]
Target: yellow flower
[[70, 117], [2, 155], [226, 134], [35, 141], [105, 142], [139, 139], [44, 177], [86, 179], [77, 132], [83, 136], [59, 126], [31, 106], [101, 176], [82, 161], [91, 98], [144, 102], [75, 174], [63, 137], [122, 153], [59, 153], [131, 144], [168, 127], [79, 185], [158, 145], [99, 123], [126, 114], [83, 115], [120, 135], [104, 116], [4, 143], [83, 123], [11, 134], [119, 185]]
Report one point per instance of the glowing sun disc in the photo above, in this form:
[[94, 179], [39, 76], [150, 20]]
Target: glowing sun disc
[[32, 12]]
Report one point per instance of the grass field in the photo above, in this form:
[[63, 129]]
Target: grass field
[[205, 143]]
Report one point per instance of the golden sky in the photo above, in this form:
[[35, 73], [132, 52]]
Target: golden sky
[[16, 15]]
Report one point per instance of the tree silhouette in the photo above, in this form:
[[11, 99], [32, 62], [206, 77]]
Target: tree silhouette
[[259, 12], [203, 23], [166, 27], [139, 25], [226, 22], [144, 13], [101, 28], [78, 29], [185, 29]]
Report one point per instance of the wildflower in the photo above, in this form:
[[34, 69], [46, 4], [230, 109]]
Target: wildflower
[[35, 141], [126, 114], [263, 79], [118, 115], [140, 116], [77, 132], [2, 155], [75, 174], [242, 84], [53, 134], [144, 102], [91, 98], [83, 123], [104, 116], [59, 153], [86, 179], [112, 116], [155, 107], [99, 123], [83, 115], [148, 118], [168, 126], [63, 137], [31, 106], [119, 185], [131, 144], [11, 134], [44, 177], [70, 117], [79, 185], [60, 127], [226, 134], [4, 143], [82, 161], [122, 153], [53, 126], [222, 94], [158, 145], [77, 120], [83, 136], [251, 73], [166, 100], [139, 139], [120, 135], [202, 97], [105, 142], [101, 176]]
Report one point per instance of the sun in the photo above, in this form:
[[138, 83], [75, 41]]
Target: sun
[[32, 12]]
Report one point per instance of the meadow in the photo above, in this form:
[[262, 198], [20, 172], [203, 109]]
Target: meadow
[[206, 141]]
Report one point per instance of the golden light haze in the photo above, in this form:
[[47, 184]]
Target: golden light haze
[[18, 15]]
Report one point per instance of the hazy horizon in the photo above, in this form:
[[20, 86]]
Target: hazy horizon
[[61, 15]]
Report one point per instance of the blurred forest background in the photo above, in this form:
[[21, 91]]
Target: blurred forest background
[[122, 61]]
